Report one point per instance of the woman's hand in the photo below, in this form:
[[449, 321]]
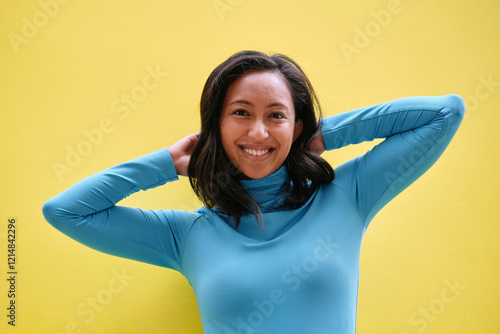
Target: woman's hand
[[317, 145], [181, 152]]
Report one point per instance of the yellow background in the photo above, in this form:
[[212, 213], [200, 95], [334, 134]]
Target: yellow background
[[64, 65]]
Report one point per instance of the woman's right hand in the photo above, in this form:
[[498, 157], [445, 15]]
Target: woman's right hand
[[181, 152]]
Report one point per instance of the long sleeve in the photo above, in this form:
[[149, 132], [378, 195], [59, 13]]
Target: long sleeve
[[87, 213], [417, 131]]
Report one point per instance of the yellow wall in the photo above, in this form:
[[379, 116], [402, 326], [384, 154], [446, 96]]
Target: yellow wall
[[66, 68]]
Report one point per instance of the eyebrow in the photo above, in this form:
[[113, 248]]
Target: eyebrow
[[274, 104]]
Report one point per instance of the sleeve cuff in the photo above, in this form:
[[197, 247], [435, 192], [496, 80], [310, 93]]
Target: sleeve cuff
[[169, 167]]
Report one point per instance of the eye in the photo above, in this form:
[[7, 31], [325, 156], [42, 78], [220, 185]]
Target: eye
[[240, 112], [277, 114]]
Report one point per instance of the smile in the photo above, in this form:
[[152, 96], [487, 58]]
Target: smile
[[256, 152]]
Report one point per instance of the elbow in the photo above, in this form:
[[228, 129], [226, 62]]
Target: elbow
[[51, 212], [454, 108], [58, 214]]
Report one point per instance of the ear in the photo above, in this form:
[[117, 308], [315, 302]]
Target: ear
[[297, 129]]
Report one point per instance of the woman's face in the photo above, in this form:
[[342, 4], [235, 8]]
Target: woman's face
[[257, 123]]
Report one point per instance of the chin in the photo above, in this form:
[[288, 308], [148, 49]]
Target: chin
[[255, 175]]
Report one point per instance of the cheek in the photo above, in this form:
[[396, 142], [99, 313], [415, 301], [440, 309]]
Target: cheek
[[227, 137], [223, 128], [286, 135]]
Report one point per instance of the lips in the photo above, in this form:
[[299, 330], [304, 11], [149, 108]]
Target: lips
[[256, 152]]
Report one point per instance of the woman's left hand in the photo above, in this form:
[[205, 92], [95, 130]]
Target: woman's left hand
[[317, 145]]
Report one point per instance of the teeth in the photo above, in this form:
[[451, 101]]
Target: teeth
[[257, 153]]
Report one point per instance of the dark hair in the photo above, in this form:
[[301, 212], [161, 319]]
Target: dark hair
[[215, 180]]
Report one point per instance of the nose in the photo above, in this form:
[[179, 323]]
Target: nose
[[258, 131]]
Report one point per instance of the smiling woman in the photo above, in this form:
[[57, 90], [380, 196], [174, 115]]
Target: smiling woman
[[258, 123], [258, 112], [276, 248]]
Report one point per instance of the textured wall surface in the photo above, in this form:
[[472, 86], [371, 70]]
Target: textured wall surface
[[89, 84]]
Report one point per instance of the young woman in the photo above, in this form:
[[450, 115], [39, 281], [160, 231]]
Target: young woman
[[276, 247]]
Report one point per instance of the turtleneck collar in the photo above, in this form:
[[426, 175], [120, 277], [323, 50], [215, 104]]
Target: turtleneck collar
[[268, 191]]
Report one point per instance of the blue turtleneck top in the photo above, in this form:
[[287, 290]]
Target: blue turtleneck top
[[299, 274]]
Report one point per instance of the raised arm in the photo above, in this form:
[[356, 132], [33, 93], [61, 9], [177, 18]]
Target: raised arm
[[87, 212], [417, 131]]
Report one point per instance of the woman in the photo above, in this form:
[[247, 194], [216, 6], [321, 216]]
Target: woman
[[276, 247]]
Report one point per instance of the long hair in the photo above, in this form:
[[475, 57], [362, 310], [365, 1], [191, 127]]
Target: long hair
[[215, 180]]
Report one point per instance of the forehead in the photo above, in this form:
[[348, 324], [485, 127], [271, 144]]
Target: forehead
[[260, 84]]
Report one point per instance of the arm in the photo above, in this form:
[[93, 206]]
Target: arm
[[417, 131], [87, 213]]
